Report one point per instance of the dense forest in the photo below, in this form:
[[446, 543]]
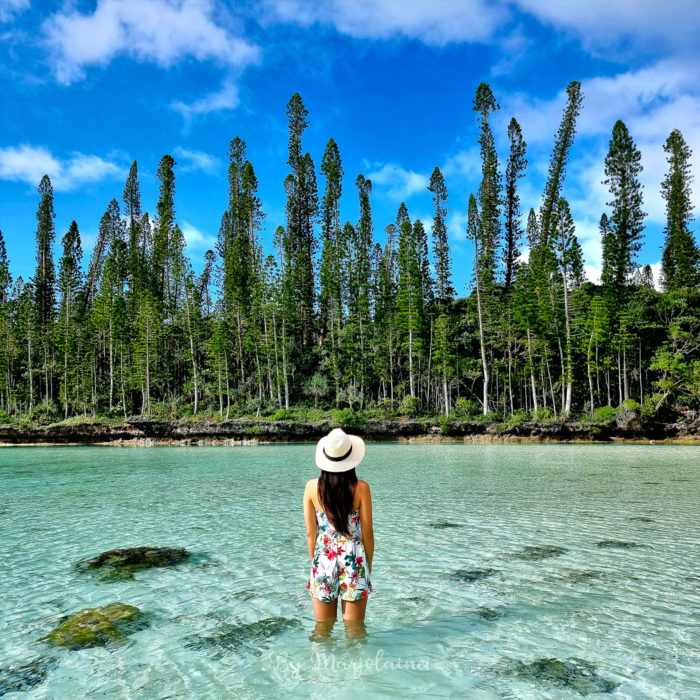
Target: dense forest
[[332, 319]]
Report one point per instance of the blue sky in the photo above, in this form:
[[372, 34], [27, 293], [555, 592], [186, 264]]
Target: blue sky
[[87, 87]]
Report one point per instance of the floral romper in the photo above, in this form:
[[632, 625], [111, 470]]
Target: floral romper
[[338, 567]]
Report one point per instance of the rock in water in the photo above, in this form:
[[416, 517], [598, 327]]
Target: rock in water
[[120, 564], [15, 679], [618, 544], [540, 552], [96, 626], [443, 524], [469, 575], [574, 674], [246, 638]]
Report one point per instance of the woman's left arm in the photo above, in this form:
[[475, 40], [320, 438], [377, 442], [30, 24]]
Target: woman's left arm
[[310, 520]]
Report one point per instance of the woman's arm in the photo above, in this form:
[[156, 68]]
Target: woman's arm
[[310, 520], [366, 521]]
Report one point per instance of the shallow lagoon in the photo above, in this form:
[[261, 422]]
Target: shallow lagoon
[[486, 556]]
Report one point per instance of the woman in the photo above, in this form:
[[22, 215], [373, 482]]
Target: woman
[[338, 515]]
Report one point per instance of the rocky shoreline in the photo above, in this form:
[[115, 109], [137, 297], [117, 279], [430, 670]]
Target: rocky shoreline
[[139, 431]]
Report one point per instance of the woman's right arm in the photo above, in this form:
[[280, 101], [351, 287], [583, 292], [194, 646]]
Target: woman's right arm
[[366, 522]]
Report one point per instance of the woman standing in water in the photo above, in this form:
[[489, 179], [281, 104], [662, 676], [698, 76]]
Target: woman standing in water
[[339, 535]]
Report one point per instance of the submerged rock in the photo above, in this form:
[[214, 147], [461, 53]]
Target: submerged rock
[[537, 552], [120, 564], [96, 626], [469, 575], [245, 638], [443, 524], [488, 613], [618, 544], [642, 519], [585, 575], [574, 674], [15, 679]]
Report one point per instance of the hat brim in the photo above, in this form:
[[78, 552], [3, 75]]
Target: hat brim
[[353, 459]]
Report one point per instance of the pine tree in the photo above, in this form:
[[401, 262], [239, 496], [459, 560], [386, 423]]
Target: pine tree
[[680, 261], [490, 189], [475, 234], [569, 260], [5, 329], [45, 280], [441, 247], [623, 164], [162, 243], [131, 198], [302, 209], [69, 283], [515, 169], [560, 156]]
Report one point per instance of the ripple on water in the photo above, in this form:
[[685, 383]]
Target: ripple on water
[[241, 627]]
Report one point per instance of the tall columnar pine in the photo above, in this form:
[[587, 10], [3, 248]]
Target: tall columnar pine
[[515, 169], [441, 246], [385, 320], [302, 210], [6, 351], [409, 298], [569, 262], [475, 234], [490, 188], [623, 164], [680, 261], [131, 199], [560, 157], [69, 285], [332, 253], [161, 262], [45, 279]]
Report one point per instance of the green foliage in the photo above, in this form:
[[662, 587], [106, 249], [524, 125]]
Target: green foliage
[[604, 414], [466, 408], [344, 418], [543, 415], [410, 406]]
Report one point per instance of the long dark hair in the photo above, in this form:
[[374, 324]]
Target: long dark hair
[[336, 492]]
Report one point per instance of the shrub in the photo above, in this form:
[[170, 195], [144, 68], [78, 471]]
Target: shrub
[[520, 416], [410, 406], [631, 405], [604, 414], [46, 412], [281, 414], [344, 417], [543, 414], [466, 408]]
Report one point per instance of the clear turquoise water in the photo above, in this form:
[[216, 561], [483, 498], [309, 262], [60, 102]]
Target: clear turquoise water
[[242, 506]]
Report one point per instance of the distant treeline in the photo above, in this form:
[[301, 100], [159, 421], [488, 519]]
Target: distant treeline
[[334, 318]]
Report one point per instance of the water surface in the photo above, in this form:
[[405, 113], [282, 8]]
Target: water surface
[[485, 556]]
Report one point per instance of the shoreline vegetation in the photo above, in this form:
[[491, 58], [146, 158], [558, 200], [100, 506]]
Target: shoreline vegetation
[[373, 332], [625, 427]]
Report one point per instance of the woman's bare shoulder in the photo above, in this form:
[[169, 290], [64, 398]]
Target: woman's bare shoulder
[[311, 485], [362, 486]]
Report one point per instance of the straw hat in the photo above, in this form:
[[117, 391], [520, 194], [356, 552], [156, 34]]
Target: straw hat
[[338, 452]]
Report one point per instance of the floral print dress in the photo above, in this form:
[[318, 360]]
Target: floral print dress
[[338, 569]]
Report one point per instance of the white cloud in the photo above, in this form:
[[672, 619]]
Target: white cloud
[[196, 160], [10, 8], [224, 98], [25, 163], [609, 27], [399, 183], [435, 23], [195, 239], [163, 32]]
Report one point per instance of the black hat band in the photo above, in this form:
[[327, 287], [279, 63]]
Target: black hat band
[[337, 459]]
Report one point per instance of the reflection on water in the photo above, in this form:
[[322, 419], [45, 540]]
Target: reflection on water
[[516, 571]]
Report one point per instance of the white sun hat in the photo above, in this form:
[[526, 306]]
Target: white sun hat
[[338, 452]]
